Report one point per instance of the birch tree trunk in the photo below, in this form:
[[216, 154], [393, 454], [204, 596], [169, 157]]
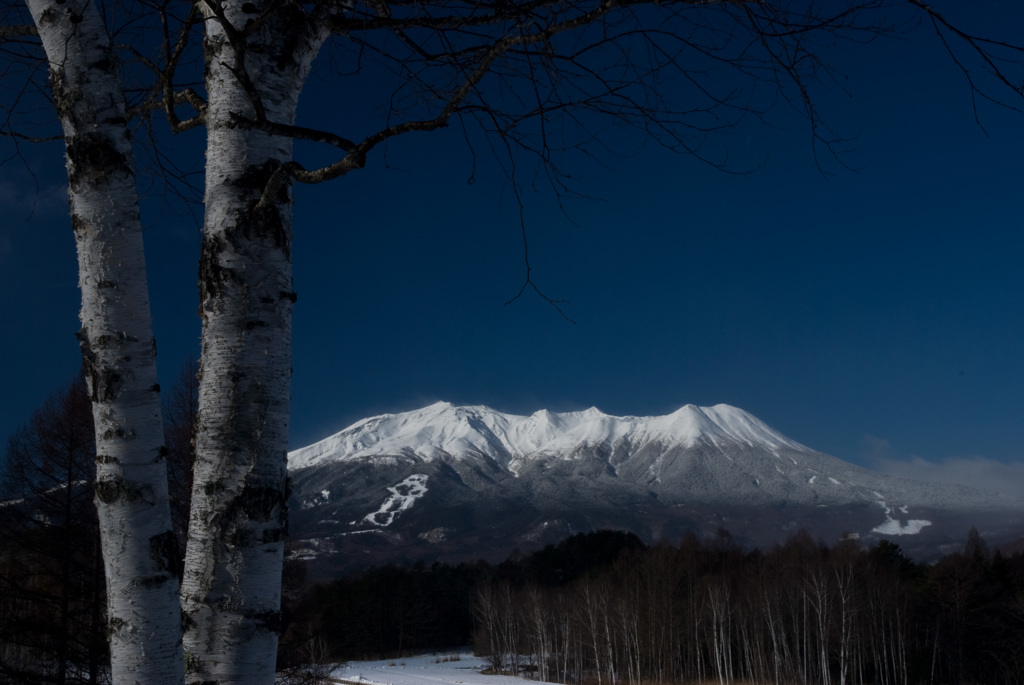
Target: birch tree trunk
[[118, 348], [231, 590]]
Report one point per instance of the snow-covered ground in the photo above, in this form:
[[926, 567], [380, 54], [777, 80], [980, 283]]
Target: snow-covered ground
[[424, 670]]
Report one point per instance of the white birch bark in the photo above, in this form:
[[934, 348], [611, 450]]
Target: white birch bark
[[118, 348], [231, 590]]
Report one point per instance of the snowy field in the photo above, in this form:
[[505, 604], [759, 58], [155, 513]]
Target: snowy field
[[430, 669]]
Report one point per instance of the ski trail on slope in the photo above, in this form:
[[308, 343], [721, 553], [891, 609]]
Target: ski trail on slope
[[403, 496]]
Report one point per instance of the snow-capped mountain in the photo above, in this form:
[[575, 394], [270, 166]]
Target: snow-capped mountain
[[443, 430], [447, 480]]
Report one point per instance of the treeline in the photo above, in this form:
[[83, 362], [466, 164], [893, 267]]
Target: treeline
[[603, 608], [383, 612], [802, 612], [395, 610]]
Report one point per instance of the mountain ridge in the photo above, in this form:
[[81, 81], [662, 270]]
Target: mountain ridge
[[496, 434], [457, 482]]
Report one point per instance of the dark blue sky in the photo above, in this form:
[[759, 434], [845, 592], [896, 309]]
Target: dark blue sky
[[876, 314]]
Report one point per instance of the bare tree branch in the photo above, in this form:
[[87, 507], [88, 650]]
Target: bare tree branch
[[172, 58], [986, 50], [29, 139], [7, 32]]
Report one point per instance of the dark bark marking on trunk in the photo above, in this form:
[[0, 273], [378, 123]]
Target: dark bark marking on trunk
[[92, 158], [116, 339], [256, 505], [256, 223], [256, 176], [268, 620], [274, 535], [88, 361], [64, 99], [104, 64], [110, 490], [106, 384], [293, 26], [264, 223], [163, 550], [212, 488], [119, 433], [212, 276], [114, 625], [154, 581]]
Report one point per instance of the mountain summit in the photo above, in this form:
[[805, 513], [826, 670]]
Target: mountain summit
[[444, 430], [452, 481]]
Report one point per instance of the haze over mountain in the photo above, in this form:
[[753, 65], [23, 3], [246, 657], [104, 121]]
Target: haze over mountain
[[445, 481]]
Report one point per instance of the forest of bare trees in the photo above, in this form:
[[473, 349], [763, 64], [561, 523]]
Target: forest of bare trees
[[803, 612], [603, 608]]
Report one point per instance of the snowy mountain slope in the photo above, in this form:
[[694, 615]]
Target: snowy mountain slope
[[718, 453], [443, 429], [471, 481]]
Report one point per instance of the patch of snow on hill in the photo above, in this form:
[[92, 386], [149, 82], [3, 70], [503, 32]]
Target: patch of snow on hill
[[893, 526], [403, 496]]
